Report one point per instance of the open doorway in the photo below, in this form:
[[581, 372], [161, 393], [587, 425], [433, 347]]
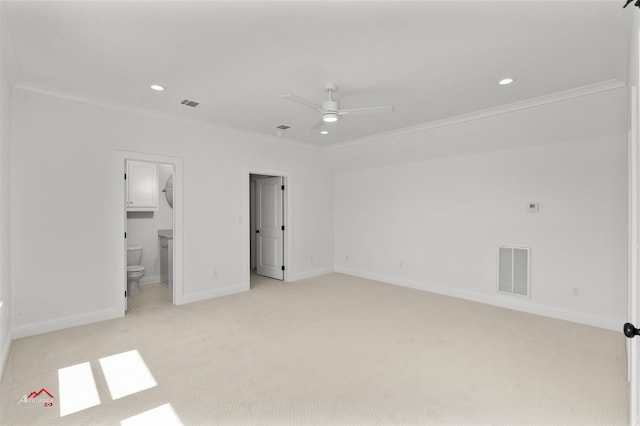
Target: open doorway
[[149, 195], [267, 229], [151, 222]]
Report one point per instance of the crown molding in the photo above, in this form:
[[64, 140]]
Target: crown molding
[[485, 113], [449, 121], [121, 106]]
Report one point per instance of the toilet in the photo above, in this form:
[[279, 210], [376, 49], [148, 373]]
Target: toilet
[[135, 270]]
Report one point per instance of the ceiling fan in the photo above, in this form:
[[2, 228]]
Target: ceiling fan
[[330, 110]]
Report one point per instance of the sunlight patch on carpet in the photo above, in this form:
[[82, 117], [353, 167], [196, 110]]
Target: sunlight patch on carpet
[[77, 389], [126, 373], [162, 415]]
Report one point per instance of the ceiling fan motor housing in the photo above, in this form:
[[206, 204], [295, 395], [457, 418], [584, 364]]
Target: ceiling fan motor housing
[[330, 106], [330, 113]]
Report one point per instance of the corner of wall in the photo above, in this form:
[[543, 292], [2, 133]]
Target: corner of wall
[[5, 349], [5, 194]]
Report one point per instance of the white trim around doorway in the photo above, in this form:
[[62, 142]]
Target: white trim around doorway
[[246, 179]]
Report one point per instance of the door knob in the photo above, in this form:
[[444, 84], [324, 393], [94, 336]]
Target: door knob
[[630, 331]]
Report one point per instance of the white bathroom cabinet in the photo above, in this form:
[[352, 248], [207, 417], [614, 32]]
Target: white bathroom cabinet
[[142, 186]]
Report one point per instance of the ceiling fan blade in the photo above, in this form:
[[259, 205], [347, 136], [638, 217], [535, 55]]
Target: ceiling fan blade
[[320, 123], [366, 110], [303, 102]]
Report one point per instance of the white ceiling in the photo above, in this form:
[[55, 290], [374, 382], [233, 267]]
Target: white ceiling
[[430, 60]]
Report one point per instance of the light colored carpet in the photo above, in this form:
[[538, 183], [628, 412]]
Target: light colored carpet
[[332, 350], [149, 296]]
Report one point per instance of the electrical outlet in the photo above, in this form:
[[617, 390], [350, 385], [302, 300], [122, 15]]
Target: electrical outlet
[[311, 259], [575, 291], [215, 273], [346, 256], [400, 264]]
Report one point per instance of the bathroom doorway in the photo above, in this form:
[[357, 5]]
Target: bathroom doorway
[[152, 246]]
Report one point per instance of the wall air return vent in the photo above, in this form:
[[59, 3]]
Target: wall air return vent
[[514, 270], [192, 104]]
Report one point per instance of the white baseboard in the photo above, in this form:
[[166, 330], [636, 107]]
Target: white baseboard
[[149, 280], [210, 294], [310, 274], [4, 352], [496, 300], [58, 324]]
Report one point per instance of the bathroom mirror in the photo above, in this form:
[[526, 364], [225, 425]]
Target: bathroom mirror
[[168, 191]]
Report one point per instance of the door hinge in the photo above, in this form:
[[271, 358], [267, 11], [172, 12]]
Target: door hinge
[[125, 293], [283, 267], [282, 187], [283, 227], [125, 176], [125, 235]]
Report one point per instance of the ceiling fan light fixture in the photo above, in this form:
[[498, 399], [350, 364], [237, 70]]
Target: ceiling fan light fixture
[[330, 117], [324, 132], [330, 110], [157, 87], [505, 81]]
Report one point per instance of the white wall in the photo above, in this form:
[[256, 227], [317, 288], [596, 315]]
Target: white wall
[[142, 229], [435, 224], [5, 220], [63, 182]]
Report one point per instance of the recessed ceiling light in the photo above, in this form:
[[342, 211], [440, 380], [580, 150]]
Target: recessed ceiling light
[[157, 88], [505, 81], [324, 132]]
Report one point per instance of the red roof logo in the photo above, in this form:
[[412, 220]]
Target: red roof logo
[[37, 394]]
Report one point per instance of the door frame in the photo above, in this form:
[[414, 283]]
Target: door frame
[[632, 344], [120, 219], [246, 233]]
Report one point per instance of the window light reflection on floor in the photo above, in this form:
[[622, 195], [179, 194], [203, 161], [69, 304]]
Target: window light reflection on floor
[[162, 415], [126, 373], [77, 389]]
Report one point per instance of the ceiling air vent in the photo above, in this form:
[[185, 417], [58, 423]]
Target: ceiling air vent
[[514, 270], [192, 104], [283, 127]]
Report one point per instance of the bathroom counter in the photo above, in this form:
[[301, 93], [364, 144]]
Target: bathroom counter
[[165, 233]]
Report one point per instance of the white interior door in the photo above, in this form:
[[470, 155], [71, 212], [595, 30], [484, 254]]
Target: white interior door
[[270, 227], [125, 205]]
